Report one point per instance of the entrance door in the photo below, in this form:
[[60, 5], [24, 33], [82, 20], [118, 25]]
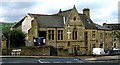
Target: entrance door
[[74, 50]]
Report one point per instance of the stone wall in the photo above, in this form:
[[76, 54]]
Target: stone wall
[[30, 51]]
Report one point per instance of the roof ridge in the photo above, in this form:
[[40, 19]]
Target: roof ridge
[[37, 14], [55, 14], [43, 14], [66, 10]]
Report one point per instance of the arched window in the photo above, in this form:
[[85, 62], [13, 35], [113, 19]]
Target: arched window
[[74, 34]]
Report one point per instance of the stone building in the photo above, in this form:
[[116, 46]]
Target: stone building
[[68, 29], [114, 27]]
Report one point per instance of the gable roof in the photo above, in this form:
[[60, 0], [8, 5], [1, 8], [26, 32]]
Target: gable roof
[[65, 13], [56, 20], [19, 23]]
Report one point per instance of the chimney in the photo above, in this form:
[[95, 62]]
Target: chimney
[[86, 11]]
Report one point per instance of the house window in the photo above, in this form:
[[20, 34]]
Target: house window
[[74, 34], [114, 44], [93, 45], [60, 34], [93, 34], [86, 38], [51, 34], [105, 35], [101, 35]]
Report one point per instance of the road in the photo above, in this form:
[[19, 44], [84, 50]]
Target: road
[[51, 60], [20, 60]]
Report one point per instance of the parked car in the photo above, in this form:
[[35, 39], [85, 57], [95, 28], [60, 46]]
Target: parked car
[[98, 51], [114, 51]]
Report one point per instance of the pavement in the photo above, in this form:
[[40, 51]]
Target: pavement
[[90, 58], [104, 58]]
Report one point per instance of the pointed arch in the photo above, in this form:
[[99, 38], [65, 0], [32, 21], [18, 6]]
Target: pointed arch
[[74, 34]]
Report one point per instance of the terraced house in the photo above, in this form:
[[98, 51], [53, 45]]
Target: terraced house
[[68, 29]]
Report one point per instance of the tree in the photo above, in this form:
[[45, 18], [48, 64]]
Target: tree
[[15, 38], [116, 34], [6, 26]]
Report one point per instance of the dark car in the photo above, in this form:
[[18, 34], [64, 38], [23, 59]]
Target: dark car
[[113, 52]]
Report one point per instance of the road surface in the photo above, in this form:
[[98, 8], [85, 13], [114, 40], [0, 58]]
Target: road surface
[[52, 60]]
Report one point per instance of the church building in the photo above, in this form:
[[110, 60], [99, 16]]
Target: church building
[[67, 29]]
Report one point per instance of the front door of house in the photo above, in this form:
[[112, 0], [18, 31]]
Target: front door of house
[[74, 50]]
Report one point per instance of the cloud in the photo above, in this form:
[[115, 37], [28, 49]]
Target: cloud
[[101, 11], [1, 19], [106, 13], [17, 5], [12, 11]]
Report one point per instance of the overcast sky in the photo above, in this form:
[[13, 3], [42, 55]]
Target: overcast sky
[[100, 10]]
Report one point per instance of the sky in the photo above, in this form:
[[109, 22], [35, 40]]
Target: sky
[[101, 11]]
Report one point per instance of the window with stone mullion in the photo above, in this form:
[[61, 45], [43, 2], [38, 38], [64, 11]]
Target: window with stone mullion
[[93, 34], [51, 34], [60, 34]]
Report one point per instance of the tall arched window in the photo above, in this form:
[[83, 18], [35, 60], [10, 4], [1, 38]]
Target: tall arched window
[[74, 34]]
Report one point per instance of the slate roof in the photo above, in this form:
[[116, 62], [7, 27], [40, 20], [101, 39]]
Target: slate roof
[[50, 21], [88, 23], [65, 13], [56, 20], [112, 26], [99, 27]]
